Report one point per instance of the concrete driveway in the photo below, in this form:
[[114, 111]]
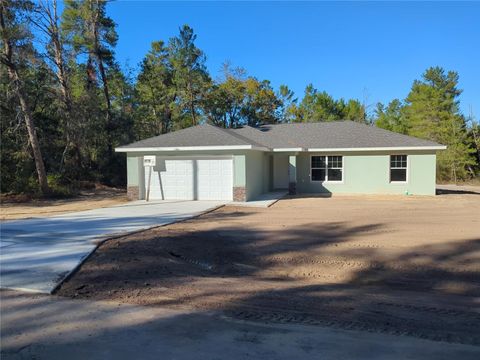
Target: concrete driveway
[[37, 254]]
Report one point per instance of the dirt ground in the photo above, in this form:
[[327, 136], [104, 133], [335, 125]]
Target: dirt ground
[[398, 265], [39, 326], [87, 200]]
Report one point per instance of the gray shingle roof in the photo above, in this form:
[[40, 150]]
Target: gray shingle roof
[[200, 135], [337, 134], [324, 135]]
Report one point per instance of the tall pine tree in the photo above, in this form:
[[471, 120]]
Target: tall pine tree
[[432, 112], [190, 74], [16, 53], [88, 29], [155, 93]]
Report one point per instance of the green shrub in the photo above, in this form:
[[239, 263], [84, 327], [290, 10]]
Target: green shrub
[[59, 188]]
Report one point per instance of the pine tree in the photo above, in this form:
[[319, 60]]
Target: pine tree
[[432, 112], [88, 29], [391, 117], [321, 106], [190, 74], [288, 102], [17, 48], [155, 93]]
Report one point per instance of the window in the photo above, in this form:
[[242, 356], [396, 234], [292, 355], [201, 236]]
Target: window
[[327, 168], [398, 168], [334, 168], [318, 168]]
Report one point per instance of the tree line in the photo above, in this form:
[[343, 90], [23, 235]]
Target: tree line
[[66, 103], [431, 111]]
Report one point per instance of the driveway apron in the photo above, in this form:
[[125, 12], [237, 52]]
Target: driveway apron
[[37, 254]]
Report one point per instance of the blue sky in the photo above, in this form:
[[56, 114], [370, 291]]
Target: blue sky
[[351, 50]]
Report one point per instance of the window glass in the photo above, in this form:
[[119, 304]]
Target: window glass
[[334, 174], [334, 162], [398, 168], [398, 175], [318, 162], [318, 174], [398, 161]]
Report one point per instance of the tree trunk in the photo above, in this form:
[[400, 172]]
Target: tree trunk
[[32, 134], [66, 97], [49, 25], [109, 123], [103, 74], [167, 119], [192, 104], [61, 73], [91, 78], [51, 29]]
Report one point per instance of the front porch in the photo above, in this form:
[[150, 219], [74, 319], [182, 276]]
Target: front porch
[[284, 172]]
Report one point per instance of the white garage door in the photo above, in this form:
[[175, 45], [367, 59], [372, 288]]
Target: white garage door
[[191, 179]]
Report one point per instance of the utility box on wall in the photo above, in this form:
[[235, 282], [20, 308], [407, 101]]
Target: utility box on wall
[[149, 160]]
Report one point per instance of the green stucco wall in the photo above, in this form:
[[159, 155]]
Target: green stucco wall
[[239, 173], [368, 173], [133, 168], [256, 174]]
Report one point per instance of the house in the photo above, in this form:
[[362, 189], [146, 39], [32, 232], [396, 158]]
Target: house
[[206, 162]]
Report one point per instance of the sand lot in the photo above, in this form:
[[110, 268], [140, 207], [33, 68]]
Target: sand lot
[[398, 265], [87, 200]]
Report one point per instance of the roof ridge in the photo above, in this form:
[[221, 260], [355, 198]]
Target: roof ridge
[[313, 122], [231, 132], [264, 134]]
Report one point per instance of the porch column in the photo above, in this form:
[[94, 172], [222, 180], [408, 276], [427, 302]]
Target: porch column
[[239, 178], [292, 174]]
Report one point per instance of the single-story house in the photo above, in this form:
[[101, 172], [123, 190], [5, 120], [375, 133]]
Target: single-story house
[[206, 162]]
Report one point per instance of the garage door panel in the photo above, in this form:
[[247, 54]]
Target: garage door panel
[[191, 179], [213, 183]]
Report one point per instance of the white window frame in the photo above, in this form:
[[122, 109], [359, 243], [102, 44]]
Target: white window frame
[[390, 169], [326, 170]]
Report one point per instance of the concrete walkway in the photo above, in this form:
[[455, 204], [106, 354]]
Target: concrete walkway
[[263, 200], [36, 254], [49, 327]]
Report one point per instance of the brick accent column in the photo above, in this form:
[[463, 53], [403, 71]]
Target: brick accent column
[[132, 193], [292, 188], [239, 193]]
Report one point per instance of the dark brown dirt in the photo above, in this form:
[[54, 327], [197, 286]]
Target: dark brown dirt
[[400, 265]]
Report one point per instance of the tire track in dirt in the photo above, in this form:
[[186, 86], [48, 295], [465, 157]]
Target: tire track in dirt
[[400, 326], [307, 272]]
